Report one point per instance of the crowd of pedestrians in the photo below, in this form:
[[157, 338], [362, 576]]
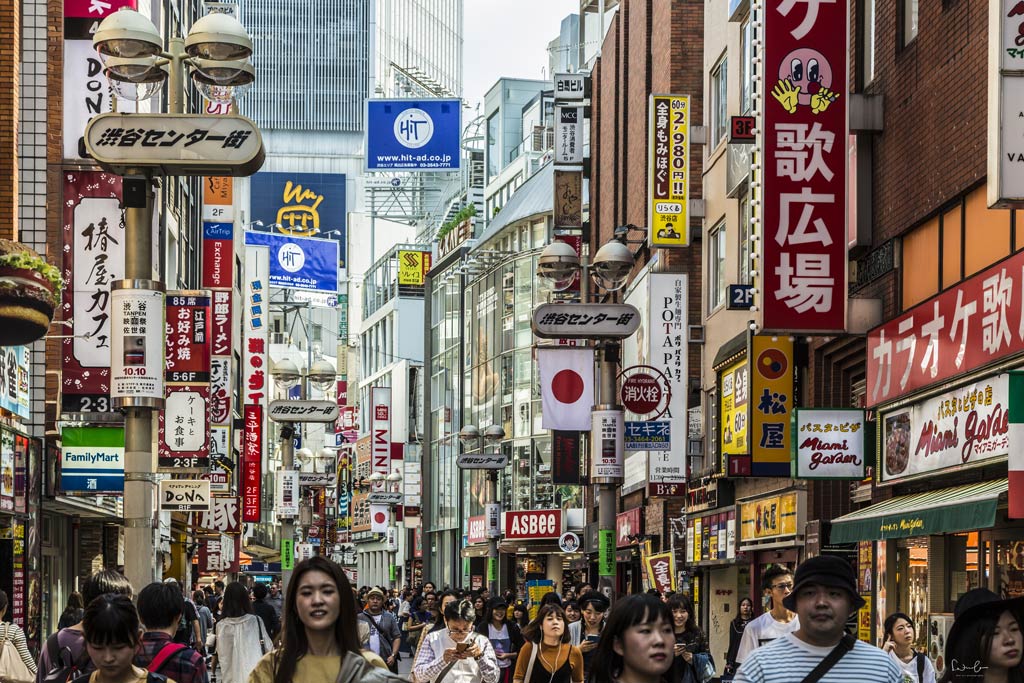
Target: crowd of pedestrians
[[326, 630]]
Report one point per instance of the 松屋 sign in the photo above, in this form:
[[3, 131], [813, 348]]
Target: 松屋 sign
[[802, 269], [829, 444], [184, 495], [532, 524]]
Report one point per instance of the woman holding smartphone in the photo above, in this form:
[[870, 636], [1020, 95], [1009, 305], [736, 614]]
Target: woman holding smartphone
[[586, 633], [456, 654], [692, 659]]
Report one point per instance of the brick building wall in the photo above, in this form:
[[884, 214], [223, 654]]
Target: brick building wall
[[10, 63]]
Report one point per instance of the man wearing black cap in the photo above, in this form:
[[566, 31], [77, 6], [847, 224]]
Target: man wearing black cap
[[824, 596]]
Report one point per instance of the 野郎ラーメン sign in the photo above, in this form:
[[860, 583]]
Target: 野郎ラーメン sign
[[829, 443], [959, 428], [413, 134], [413, 267], [802, 269], [668, 155], [184, 495]]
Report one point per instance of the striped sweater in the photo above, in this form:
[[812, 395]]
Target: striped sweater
[[789, 659]]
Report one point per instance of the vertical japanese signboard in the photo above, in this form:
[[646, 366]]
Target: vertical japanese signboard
[[734, 397], [771, 406], [668, 301], [255, 376], [380, 457], [668, 158], [93, 236], [568, 135], [184, 432], [802, 273]]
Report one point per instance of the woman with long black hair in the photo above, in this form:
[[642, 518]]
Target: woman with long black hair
[[636, 643], [505, 636], [319, 639]]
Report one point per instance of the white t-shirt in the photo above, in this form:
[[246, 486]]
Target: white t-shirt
[[761, 631], [910, 669]]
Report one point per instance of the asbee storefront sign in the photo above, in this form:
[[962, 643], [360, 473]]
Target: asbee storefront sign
[[532, 524]]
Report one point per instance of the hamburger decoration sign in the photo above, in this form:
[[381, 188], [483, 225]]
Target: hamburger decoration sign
[[29, 293]]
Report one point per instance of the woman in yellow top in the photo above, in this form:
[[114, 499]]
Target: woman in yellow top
[[319, 639], [112, 637], [547, 655]]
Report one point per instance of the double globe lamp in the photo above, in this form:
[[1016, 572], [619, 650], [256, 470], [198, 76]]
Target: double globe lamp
[[216, 50], [610, 267]]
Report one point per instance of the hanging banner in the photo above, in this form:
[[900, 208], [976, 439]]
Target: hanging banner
[[222, 517], [668, 172], [252, 462], [771, 409], [184, 427], [298, 262], [802, 269], [668, 299], [380, 462], [93, 238]]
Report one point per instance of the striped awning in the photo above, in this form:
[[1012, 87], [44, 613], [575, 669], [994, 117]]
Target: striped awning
[[959, 508]]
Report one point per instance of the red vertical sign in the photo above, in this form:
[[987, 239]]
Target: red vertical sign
[[252, 461], [803, 246]]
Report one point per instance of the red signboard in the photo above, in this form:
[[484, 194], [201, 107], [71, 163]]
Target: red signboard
[[220, 324], [532, 524], [188, 338], [803, 246], [977, 323], [183, 434], [477, 531], [252, 461], [94, 9], [217, 263], [628, 523]]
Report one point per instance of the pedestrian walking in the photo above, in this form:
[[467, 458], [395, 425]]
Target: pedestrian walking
[[547, 656], [74, 611], [520, 614], [16, 663], [385, 636], [160, 606], [636, 643], [692, 661], [505, 636], [274, 599], [241, 639], [262, 609], [586, 632], [985, 643], [572, 611], [824, 596], [736, 628], [206, 622], [213, 602], [319, 638], [480, 606], [456, 653], [776, 583], [447, 598], [64, 655], [113, 632], [188, 632], [899, 636]]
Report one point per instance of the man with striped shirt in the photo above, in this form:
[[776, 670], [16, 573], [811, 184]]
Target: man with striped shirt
[[823, 597]]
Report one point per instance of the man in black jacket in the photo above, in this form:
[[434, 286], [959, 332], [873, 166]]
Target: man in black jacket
[[263, 609]]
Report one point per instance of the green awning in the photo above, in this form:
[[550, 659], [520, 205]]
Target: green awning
[[960, 508]]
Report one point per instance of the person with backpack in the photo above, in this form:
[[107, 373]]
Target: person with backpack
[[112, 631], [899, 643], [73, 613], [160, 606], [64, 656], [385, 636], [16, 663]]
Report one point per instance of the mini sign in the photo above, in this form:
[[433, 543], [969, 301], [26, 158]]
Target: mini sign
[[482, 461], [303, 411], [654, 435], [184, 495], [741, 297], [585, 321], [136, 347], [829, 444], [476, 531], [175, 144], [287, 494], [533, 524], [568, 135], [316, 479], [569, 542], [606, 450]]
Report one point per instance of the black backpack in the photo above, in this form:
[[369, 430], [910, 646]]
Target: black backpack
[[62, 668], [920, 665]]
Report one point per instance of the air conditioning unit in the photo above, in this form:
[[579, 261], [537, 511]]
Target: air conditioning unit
[[695, 447], [695, 334]]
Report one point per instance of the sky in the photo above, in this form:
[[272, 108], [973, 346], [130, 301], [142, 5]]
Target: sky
[[505, 38]]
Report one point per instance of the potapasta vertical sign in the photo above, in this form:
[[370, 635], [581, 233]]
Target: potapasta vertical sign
[[668, 154], [802, 273]]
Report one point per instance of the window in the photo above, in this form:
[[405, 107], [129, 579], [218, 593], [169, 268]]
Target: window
[[493, 155], [744, 240], [716, 289], [908, 20], [719, 100], [747, 67], [867, 47]]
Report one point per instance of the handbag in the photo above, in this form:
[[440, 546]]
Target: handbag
[[12, 667], [844, 646]]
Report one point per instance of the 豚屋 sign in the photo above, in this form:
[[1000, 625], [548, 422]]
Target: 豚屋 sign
[[175, 144], [668, 154], [829, 444], [413, 134], [222, 516], [532, 524], [769, 517], [585, 321], [298, 262], [802, 269], [976, 323], [303, 411], [184, 495], [960, 428]]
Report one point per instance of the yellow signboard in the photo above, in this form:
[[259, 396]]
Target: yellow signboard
[[668, 154], [771, 405], [768, 517], [734, 395], [413, 267]]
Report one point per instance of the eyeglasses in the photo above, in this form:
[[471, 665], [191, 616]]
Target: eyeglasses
[[783, 586], [458, 631]]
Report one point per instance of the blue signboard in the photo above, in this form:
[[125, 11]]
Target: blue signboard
[[652, 435], [413, 135], [92, 460], [301, 205], [741, 297], [217, 231], [299, 263]]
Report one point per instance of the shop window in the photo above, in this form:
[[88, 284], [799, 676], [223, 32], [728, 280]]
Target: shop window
[[743, 248], [921, 263], [747, 67], [986, 233], [716, 289], [912, 584], [964, 558], [719, 102], [867, 47], [908, 21], [1010, 568]]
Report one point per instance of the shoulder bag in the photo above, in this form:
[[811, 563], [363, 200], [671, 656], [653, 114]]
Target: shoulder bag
[[844, 646], [12, 667], [534, 649]]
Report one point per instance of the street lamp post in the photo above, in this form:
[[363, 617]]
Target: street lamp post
[[136, 65], [492, 435], [609, 268]]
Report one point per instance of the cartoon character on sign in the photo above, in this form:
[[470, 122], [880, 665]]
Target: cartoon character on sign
[[805, 77]]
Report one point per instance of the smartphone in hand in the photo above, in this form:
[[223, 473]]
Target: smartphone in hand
[[461, 647]]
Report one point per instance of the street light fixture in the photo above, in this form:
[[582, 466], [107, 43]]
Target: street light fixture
[[612, 265], [286, 374], [558, 263], [322, 375]]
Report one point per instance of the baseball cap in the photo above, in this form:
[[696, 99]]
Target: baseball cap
[[375, 591]]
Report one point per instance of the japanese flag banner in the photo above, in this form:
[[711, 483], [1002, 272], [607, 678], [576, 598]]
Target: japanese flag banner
[[379, 519], [567, 388]]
